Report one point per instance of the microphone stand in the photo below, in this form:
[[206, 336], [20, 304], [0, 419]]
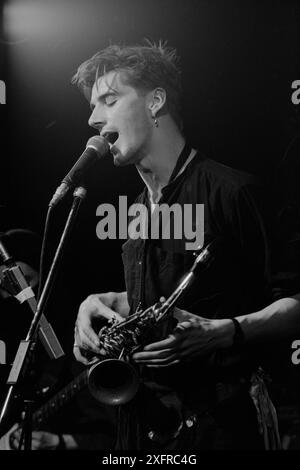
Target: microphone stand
[[21, 360], [15, 283]]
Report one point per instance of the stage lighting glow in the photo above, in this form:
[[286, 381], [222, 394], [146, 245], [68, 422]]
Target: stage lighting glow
[[29, 19]]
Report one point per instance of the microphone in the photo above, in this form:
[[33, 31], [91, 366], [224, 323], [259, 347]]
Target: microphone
[[96, 148]]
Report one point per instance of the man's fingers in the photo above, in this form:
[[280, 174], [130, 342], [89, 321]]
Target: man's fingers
[[156, 366], [79, 357], [98, 309], [87, 339], [84, 356], [170, 342], [149, 355], [183, 326], [84, 336], [149, 361]]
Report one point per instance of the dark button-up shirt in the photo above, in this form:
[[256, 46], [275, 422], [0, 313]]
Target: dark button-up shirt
[[238, 280]]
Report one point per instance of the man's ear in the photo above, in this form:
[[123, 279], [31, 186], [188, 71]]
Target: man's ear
[[157, 101]]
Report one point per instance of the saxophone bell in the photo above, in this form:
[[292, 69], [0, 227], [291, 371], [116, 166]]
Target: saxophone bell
[[113, 381]]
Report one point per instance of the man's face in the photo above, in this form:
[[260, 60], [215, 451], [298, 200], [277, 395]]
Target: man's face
[[121, 114]]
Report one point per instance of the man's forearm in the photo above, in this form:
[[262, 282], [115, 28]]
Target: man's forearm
[[279, 320], [69, 442]]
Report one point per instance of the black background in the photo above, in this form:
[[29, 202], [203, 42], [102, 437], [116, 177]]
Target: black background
[[238, 59]]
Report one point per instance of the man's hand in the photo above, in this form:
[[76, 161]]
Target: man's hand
[[193, 337], [41, 440], [105, 307]]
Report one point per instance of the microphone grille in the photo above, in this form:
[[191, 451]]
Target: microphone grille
[[99, 144]]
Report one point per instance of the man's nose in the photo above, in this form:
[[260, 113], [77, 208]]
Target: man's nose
[[97, 119]]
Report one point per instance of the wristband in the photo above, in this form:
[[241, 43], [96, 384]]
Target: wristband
[[61, 443], [238, 336]]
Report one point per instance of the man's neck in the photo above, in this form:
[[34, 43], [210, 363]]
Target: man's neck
[[156, 168]]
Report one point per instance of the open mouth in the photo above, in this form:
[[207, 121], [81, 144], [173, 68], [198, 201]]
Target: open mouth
[[111, 137]]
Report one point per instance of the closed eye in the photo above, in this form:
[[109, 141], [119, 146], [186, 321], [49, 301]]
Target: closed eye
[[110, 99]]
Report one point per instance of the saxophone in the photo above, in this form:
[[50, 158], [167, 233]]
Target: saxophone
[[114, 380]]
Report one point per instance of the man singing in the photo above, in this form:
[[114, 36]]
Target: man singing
[[200, 370]]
